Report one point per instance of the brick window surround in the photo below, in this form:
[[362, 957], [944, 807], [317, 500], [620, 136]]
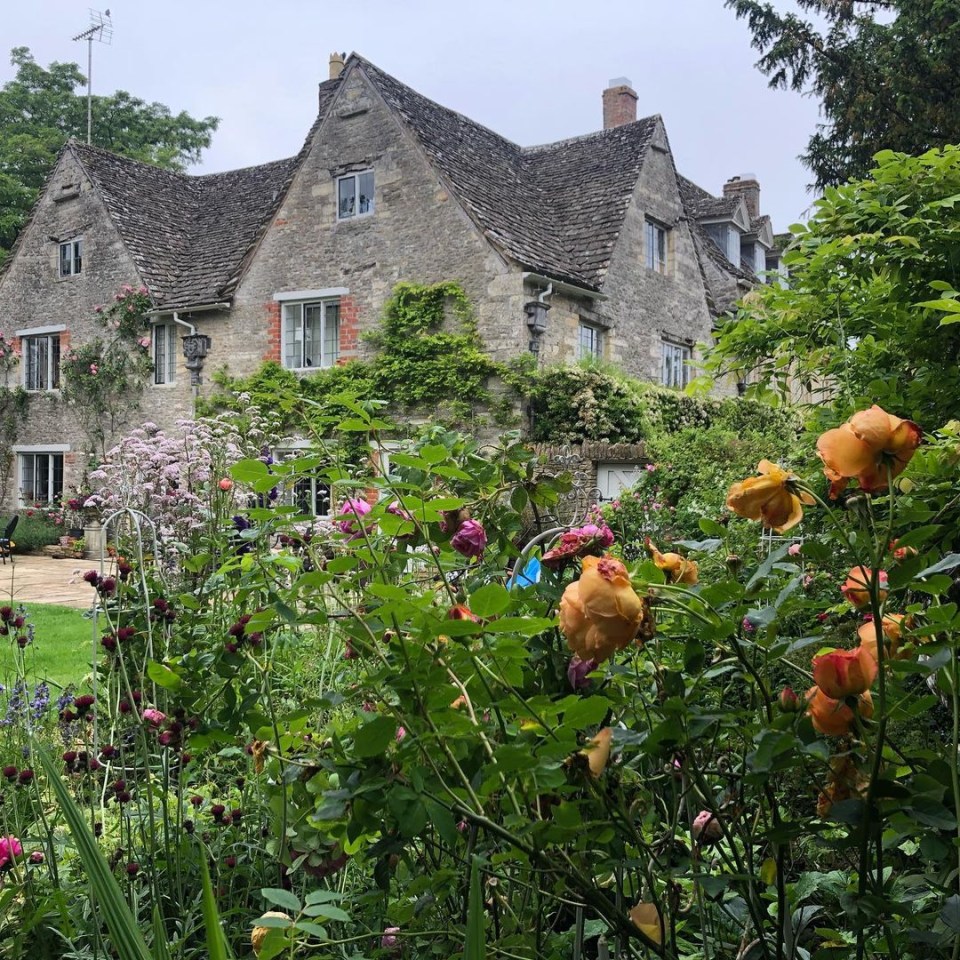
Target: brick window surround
[[338, 352]]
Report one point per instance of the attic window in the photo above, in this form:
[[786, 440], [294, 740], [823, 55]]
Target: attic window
[[71, 258], [355, 195]]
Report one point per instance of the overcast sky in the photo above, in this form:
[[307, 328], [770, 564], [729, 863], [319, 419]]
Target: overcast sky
[[533, 70]]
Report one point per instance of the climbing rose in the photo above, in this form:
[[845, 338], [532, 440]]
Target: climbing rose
[[646, 918], [892, 632], [845, 673], [353, 509], [676, 568], [259, 934], [706, 828], [576, 543], [600, 613], [470, 539], [597, 752], [769, 498], [872, 447]]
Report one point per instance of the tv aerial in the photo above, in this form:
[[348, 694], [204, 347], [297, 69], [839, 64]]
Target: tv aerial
[[101, 30]]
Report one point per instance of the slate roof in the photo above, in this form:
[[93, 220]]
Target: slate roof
[[190, 236], [702, 205], [557, 209]]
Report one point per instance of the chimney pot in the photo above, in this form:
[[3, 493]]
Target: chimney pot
[[337, 61], [619, 103]]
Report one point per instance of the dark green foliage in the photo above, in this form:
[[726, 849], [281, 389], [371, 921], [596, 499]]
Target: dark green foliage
[[885, 72], [40, 109]]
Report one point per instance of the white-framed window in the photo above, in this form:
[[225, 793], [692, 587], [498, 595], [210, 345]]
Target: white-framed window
[[656, 246], [589, 341], [310, 493], [355, 195], [311, 334], [675, 366], [41, 477], [164, 353], [41, 362], [71, 257]]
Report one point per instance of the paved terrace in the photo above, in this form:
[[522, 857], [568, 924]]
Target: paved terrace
[[37, 579]]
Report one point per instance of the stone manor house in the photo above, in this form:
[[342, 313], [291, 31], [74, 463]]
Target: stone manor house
[[292, 260]]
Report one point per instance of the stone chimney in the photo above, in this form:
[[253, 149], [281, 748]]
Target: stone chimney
[[337, 61], [747, 186], [619, 103]]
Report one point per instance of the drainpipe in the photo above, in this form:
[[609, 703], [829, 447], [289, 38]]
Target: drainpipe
[[194, 386]]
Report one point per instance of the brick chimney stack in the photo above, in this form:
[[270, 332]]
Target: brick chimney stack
[[747, 186], [337, 61], [619, 103]]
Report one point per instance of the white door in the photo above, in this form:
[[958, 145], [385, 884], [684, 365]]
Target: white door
[[614, 478]]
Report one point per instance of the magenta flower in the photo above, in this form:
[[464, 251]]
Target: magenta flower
[[10, 848], [389, 940], [352, 509], [470, 539]]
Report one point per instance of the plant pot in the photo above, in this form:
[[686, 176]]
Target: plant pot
[[75, 532], [66, 541]]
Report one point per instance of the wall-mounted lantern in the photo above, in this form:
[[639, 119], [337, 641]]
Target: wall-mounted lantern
[[196, 346], [536, 311]]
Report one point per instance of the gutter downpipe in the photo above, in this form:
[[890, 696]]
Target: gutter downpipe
[[195, 389]]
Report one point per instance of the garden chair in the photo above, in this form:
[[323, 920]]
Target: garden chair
[[6, 544]]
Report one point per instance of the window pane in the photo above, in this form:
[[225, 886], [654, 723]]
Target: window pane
[[41, 488], [331, 334], [27, 463], [56, 489], [54, 350], [160, 359], [77, 256], [347, 193], [661, 249], [312, 334], [171, 353], [64, 259], [292, 336], [648, 242], [366, 192]]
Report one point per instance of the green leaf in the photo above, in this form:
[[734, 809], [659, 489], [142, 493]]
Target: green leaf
[[249, 471], [111, 904], [281, 898], [582, 712], [163, 676], [949, 562], [373, 738], [475, 947], [951, 306], [950, 914], [217, 946], [489, 600]]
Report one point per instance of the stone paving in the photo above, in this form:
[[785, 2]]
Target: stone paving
[[37, 579]]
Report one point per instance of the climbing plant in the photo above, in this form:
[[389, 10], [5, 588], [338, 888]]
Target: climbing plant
[[13, 408], [103, 378]]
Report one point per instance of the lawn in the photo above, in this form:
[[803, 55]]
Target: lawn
[[61, 650]]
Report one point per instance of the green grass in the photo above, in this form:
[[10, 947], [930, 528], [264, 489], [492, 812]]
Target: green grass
[[61, 650]]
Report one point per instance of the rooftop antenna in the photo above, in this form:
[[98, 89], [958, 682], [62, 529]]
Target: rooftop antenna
[[101, 30]]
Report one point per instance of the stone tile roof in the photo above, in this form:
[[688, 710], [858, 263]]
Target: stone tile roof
[[556, 209], [695, 200], [190, 236], [702, 205]]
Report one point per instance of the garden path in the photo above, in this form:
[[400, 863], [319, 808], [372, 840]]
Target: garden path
[[37, 579]]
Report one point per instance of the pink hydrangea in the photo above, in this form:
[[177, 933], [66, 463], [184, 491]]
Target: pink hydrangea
[[470, 539]]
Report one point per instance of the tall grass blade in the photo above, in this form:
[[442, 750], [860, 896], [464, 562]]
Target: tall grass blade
[[217, 946], [475, 946], [121, 924]]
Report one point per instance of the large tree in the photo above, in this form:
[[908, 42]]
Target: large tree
[[40, 109], [886, 73]]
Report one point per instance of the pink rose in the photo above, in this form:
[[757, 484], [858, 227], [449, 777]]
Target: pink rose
[[793, 549], [706, 828], [470, 539], [94, 369]]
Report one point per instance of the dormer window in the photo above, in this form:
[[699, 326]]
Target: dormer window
[[355, 195], [727, 237], [71, 257]]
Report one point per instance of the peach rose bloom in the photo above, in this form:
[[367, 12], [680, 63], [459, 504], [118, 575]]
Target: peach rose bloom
[[646, 918], [601, 613], [597, 752], [845, 673], [869, 447], [676, 568], [856, 588], [768, 498], [892, 632], [833, 717]]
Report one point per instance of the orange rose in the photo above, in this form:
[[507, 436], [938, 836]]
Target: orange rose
[[892, 632], [676, 568], [601, 613], [597, 752], [869, 447], [845, 673], [833, 717], [856, 588], [769, 498], [259, 934], [646, 918]]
